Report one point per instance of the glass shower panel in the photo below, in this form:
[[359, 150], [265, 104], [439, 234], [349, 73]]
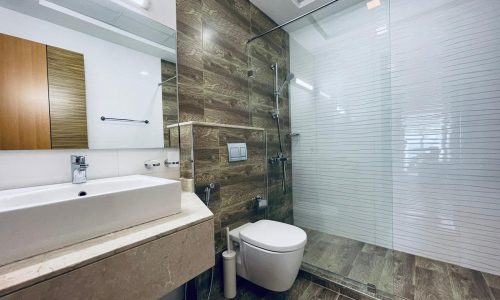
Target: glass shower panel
[[393, 137], [446, 130], [340, 104]]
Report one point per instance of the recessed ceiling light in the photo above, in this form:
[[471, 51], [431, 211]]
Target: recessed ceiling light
[[373, 4]]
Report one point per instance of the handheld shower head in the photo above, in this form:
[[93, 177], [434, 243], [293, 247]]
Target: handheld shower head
[[289, 77]]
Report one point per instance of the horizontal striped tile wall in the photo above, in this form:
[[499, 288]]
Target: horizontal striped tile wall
[[400, 137], [342, 169], [446, 130]]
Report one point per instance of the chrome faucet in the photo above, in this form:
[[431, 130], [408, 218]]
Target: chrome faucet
[[78, 169]]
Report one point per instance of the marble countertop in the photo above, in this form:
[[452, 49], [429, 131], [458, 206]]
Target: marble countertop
[[36, 269]]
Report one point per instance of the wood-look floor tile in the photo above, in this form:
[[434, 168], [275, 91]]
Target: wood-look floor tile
[[315, 253], [367, 267], [342, 297], [385, 282], [492, 280], [468, 284], [326, 294], [298, 288], [404, 275], [431, 264], [311, 292], [495, 293], [334, 254], [342, 260], [432, 285]]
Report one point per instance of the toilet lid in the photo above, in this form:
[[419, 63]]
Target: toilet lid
[[274, 236]]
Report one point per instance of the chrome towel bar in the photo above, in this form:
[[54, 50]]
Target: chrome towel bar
[[103, 118]]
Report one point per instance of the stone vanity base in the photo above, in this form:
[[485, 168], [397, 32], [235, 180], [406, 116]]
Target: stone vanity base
[[146, 261], [147, 271]]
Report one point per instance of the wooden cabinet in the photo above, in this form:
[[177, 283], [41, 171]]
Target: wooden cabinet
[[68, 107], [42, 96], [24, 101]]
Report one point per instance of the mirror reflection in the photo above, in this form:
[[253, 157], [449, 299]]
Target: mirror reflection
[[73, 79]]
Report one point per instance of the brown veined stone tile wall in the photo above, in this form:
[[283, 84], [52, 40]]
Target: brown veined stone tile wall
[[237, 184], [214, 87], [213, 61]]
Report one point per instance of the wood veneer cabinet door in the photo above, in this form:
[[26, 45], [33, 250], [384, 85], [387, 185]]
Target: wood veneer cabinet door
[[68, 113], [24, 101]]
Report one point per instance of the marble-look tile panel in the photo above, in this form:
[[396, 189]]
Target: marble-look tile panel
[[148, 271], [186, 152]]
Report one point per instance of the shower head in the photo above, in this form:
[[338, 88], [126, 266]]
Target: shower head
[[289, 77]]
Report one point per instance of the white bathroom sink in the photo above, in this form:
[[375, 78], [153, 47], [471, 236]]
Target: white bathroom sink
[[39, 219]]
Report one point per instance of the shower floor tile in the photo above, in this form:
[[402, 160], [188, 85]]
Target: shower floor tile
[[302, 289], [404, 275]]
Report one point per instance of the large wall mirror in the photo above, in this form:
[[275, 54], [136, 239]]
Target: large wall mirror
[[88, 74]]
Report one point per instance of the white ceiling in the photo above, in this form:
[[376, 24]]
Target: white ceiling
[[325, 27], [282, 11]]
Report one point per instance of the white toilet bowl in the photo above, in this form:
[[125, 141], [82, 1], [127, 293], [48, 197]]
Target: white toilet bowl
[[269, 253]]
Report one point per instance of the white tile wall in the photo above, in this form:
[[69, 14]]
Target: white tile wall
[[446, 130], [341, 167], [31, 168], [409, 136]]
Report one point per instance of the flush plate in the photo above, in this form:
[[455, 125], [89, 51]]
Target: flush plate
[[237, 151]]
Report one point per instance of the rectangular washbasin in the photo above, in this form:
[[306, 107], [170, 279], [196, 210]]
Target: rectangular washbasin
[[44, 218]]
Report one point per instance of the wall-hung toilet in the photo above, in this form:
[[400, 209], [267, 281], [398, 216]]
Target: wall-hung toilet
[[269, 253]]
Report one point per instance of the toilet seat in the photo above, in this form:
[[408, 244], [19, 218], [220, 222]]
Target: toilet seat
[[274, 236]]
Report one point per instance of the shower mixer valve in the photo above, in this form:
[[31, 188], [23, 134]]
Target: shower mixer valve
[[280, 157]]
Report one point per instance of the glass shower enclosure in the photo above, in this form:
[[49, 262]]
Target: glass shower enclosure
[[337, 136], [389, 117]]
